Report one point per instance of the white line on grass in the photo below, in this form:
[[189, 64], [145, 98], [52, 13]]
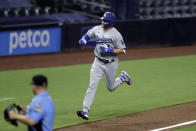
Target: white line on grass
[[173, 126], [6, 98]]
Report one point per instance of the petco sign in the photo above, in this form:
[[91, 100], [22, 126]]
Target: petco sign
[[30, 41]]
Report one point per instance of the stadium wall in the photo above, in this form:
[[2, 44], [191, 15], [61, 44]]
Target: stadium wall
[[30, 41], [25, 38], [164, 32]]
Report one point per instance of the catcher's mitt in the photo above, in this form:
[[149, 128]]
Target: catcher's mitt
[[13, 107]]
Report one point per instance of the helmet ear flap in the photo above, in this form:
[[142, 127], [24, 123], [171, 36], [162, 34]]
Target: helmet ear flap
[[108, 25]]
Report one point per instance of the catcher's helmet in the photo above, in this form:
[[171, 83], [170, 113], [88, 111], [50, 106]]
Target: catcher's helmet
[[110, 18]]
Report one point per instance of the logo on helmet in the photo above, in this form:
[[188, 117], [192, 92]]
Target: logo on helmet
[[104, 15]]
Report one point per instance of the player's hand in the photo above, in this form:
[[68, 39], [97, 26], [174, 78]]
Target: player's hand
[[103, 48], [12, 114], [106, 49], [82, 41], [21, 110]]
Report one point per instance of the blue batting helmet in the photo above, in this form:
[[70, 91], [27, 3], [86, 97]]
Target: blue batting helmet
[[110, 18]]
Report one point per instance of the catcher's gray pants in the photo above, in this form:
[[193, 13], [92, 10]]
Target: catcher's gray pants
[[97, 71]]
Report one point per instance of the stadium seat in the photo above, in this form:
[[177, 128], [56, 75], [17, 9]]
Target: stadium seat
[[168, 8], [186, 2], [168, 3], [170, 13], [143, 4], [159, 3], [179, 11], [179, 3], [143, 14], [6, 12], [14, 12], [187, 11], [4, 4], [194, 2], [150, 3]]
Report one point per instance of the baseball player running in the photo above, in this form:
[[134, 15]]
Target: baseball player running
[[109, 44]]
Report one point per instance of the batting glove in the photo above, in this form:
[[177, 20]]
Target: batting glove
[[105, 49], [84, 39]]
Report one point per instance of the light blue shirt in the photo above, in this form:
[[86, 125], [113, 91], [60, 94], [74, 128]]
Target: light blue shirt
[[42, 111]]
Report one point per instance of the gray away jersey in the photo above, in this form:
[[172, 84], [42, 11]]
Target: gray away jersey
[[112, 38]]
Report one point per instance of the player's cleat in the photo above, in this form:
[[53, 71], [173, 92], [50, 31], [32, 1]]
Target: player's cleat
[[82, 114], [127, 77]]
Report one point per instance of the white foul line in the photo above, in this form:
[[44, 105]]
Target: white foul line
[[177, 125], [6, 98]]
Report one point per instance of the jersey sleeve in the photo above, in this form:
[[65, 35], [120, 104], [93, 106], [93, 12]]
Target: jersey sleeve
[[120, 42], [36, 112], [91, 33]]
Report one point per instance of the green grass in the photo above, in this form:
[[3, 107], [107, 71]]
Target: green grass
[[157, 83], [192, 128]]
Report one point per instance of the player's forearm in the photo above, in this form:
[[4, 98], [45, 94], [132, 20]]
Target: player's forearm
[[84, 39], [118, 51], [24, 119]]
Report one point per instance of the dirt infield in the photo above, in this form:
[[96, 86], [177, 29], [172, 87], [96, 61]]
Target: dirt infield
[[143, 121], [85, 57], [135, 122]]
